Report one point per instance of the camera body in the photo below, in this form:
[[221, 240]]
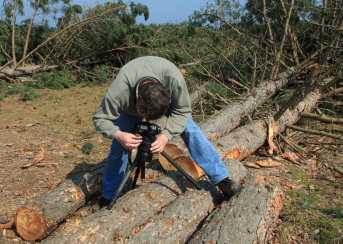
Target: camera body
[[148, 131]]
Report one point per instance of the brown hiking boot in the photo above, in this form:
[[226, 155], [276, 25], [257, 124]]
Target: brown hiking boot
[[229, 188]]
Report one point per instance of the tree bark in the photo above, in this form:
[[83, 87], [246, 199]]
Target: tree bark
[[58, 204], [247, 139], [246, 218], [231, 116], [8, 72], [122, 222], [74, 193], [131, 213], [178, 221], [256, 98]]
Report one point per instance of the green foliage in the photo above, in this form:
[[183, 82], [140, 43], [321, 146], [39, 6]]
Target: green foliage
[[328, 236], [229, 10], [14, 90], [335, 211], [219, 89], [12, 9], [108, 34], [27, 94], [87, 148], [328, 232], [54, 80], [97, 75]]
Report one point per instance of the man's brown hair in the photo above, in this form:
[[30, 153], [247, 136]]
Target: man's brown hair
[[153, 100]]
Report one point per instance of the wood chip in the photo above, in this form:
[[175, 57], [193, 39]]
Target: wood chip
[[269, 163], [293, 157]]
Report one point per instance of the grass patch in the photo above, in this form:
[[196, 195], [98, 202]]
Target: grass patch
[[28, 94], [330, 237], [299, 173], [56, 80], [334, 211], [87, 148], [315, 210]]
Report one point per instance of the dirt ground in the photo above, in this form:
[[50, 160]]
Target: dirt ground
[[43, 142]]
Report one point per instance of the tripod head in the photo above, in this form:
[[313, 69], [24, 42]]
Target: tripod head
[[148, 131]]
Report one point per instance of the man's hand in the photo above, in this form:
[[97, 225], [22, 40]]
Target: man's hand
[[160, 143], [128, 140]]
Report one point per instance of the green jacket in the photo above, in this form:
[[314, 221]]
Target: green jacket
[[120, 96]]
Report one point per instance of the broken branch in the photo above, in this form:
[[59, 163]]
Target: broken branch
[[322, 118], [314, 132]]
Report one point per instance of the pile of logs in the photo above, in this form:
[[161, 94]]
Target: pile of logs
[[169, 209]]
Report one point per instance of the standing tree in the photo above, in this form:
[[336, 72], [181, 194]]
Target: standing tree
[[36, 46]]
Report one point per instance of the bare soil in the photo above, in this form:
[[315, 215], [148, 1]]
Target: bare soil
[[41, 144]]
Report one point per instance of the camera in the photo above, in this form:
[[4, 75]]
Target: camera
[[148, 131]]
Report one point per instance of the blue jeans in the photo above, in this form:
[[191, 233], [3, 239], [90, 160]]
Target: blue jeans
[[200, 148]]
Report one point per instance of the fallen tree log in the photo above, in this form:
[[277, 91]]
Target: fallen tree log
[[49, 210], [75, 198], [246, 218], [10, 73], [231, 116], [247, 139], [258, 205], [53, 207], [88, 230], [236, 144], [130, 213], [259, 96], [177, 222]]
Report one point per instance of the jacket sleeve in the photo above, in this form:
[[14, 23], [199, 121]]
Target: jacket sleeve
[[180, 109], [104, 118], [110, 108]]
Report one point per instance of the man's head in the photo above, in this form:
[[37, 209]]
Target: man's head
[[153, 100]]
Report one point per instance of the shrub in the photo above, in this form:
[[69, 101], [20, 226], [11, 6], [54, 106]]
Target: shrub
[[27, 94], [87, 148], [56, 80]]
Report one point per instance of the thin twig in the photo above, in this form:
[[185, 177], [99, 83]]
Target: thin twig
[[322, 118], [314, 132], [332, 93], [293, 145]]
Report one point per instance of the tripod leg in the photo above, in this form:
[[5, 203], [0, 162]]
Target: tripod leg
[[121, 186], [138, 170], [142, 170], [182, 171]]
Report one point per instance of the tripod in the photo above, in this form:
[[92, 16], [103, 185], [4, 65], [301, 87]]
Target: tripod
[[139, 165]]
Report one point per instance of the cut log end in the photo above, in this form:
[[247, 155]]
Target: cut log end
[[173, 151], [185, 162], [30, 224], [190, 167]]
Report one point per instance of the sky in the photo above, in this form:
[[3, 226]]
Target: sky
[[161, 11]]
